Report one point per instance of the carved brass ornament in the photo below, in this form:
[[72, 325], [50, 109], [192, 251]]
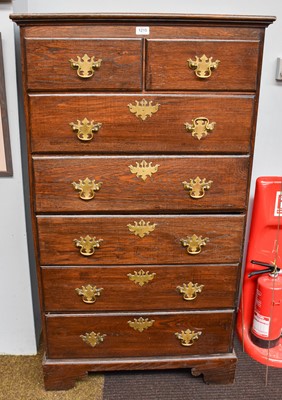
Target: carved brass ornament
[[93, 338], [141, 277], [194, 243], [87, 188], [141, 324], [85, 66], [200, 127], [87, 245], [85, 129], [188, 337], [190, 291], [143, 109], [143, 169], [141, 228], [89, 293], [197, 187], [203, 66]]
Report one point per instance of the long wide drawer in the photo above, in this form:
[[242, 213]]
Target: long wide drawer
[[134, 335], [83, 64], [62, 184], [202, 65], [123, 124], [139, 288], [139, 239]]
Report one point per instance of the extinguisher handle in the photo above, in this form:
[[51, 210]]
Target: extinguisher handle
[[262, 271], [263, 264]]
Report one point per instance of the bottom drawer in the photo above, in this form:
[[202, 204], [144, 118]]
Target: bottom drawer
[[138, 335]]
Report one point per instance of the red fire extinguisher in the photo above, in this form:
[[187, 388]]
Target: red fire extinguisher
[[267, 320]]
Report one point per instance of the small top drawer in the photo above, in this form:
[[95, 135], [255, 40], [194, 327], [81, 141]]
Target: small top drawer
[[49, 65], [221, 65]]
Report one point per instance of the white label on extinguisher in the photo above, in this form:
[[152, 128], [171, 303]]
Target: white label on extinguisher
[[261, 324], [278, 204]]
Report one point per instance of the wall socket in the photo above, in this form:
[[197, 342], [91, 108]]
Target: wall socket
[[278, 76]]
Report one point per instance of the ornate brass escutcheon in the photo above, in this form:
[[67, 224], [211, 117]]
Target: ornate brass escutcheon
[[89, 293], [197, 187], [190, 291], [143, 169], [141, 324], [194, 243], [87, 188], [85, 66], [141, 228], [188, 337], [203, 66], [143, 109], [85, 129], [93, 338], [87, 245], [141, 277], [200, 127]]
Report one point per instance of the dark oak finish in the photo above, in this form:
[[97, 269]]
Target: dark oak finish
[[122, 190], [59, 284], [135, 67], [119, 246], [121, 340], [123, 132]]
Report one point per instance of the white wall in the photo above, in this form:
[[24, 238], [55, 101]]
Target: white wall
[[16, 332]]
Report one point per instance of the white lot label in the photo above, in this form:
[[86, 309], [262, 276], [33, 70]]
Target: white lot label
[[142, 30], [261, 324], [278, 204]]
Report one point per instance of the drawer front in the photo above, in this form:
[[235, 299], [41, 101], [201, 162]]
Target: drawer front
[[216, 124], [48, 66], [113, 334], [151, 287], [131, 183], [167, 65], [65, 240]]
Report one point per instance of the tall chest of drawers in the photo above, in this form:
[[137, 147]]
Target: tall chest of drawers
[[140, 132]]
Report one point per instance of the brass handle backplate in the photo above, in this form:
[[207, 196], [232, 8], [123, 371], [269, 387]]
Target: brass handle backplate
[[141, 228], [190, 290], [203, 66], [143, 169], [85, 129], [141, 277], [85, 65], [143, 109], [188, 337], [87, 188], [87, 245], [196, 187], [141, 324], [194, 243], [89, 293], [200, 127], [92, 338]]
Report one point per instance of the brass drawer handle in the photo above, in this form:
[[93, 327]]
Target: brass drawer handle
[[141, 277], [89, 293], [85, 129], [143, 169], [87, 245], [141, 324], [87, 188], [85, 66], [188, 337], [92, 338], [200, 127], [194, 243], [203, 66], [141, 228], [197, 187], [143, 109], [190, 290]]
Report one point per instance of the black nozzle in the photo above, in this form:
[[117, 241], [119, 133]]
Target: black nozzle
[[271, 268]]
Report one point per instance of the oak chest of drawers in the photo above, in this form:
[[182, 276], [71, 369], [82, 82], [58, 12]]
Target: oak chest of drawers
[[140, 133]]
